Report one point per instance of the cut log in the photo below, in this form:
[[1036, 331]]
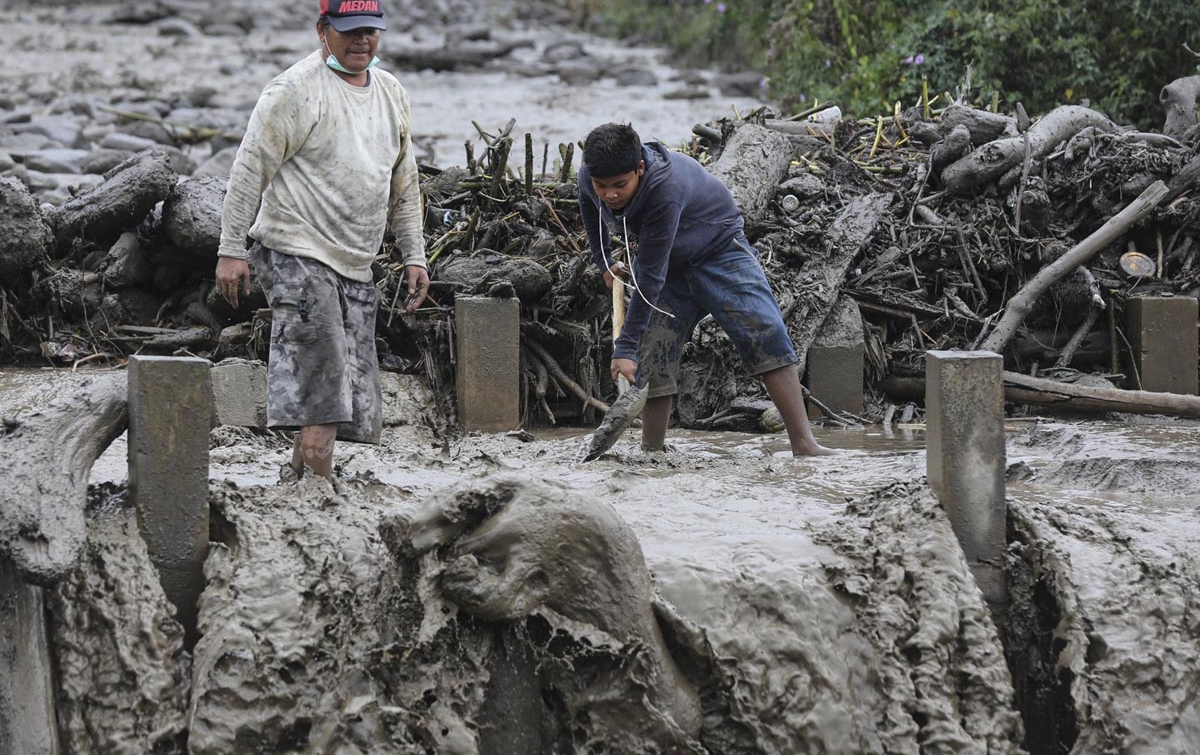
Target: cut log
[[480, 273], [127, 195], [191, 217], [1023, 389], [24, 236], [955, 146], [1179, 100], [994, 159], [980, 124], [847, 234], [1021, 303], [43, 488], [752, 165]]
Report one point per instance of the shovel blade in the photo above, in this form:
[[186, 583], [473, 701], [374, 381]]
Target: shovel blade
[[627, 406]]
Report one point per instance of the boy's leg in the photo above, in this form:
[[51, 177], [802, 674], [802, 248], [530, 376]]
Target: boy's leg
[[783, 386], [314, 449], [735, 289], [655, 416], [659, 355]]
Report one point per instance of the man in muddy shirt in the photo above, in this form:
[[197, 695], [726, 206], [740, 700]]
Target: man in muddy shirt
[[692, 259], [325, 166]]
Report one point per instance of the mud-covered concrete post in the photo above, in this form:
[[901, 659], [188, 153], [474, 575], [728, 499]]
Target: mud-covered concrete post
[[965, 459], [1162, 337], [170, 414], [488, 341], [835, 361], [27, 719]]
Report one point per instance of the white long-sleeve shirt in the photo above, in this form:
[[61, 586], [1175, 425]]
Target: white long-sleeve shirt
[[324, 168]]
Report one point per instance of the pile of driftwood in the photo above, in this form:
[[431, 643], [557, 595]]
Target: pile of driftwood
[[954, 229]]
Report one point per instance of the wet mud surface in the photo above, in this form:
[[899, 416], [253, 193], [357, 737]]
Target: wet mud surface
[[816, 605]]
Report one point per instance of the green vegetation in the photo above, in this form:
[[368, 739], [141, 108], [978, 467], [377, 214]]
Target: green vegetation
[[871, 54]]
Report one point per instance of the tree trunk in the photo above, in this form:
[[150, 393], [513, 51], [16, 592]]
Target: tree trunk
[[1022, 389], [752, 165], [980, 124], [43, 490], [994, 159], [127, 195], [847, 235]]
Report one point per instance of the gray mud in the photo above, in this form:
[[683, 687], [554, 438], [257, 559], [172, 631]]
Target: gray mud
[[814, 605]]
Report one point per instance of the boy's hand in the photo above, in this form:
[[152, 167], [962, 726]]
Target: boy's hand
[[618, 270], [626, 368]]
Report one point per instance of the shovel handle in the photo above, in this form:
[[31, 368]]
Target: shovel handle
[[618, 302]]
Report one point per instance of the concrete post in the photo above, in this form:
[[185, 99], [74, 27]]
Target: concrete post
[[170, 414], [488, 340], [835, 361], [240, 393], [28, 723], [1162, 335], [965, 459]]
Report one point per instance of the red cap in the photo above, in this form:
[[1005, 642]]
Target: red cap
[[347, 15]]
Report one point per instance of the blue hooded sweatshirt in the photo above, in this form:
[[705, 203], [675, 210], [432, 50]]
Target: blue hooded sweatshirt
[[679, 213]]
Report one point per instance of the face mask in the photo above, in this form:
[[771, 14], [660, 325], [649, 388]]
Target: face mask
[[333, 62]]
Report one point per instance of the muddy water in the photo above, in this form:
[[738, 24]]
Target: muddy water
[[815, 604]]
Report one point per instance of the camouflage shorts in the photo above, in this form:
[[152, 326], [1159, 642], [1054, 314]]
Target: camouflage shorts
[[322, 368]]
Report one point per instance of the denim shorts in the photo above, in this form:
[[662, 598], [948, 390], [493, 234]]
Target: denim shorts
[[322, 368], [731, 286]]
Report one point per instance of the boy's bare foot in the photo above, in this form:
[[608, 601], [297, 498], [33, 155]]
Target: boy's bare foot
[[814, 449]]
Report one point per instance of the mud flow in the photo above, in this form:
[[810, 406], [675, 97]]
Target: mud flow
[[490, 593]]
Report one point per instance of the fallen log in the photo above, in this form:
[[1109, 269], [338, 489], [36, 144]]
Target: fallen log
[[852, 228], [752, 165], [24, 236], [1022, 302], [994, 159], [1023, 389], [981, 125], [43, 488], [127, 195], [191, 218]]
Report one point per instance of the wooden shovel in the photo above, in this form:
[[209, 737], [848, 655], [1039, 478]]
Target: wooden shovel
[[630, 399], [618, 297]]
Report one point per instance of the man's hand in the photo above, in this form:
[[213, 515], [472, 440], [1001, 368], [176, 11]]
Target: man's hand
[[626, 368], [418, 287], [618, 270], [233, 279]]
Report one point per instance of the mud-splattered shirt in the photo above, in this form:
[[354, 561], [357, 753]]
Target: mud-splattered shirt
[[324, 168]]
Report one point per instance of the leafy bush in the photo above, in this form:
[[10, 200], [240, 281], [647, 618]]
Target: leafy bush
[[870, 55]]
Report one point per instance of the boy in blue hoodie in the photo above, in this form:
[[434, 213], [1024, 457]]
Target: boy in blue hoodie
[[691, 259]]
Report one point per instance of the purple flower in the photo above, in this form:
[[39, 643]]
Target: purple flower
[[720, 7], [915, 60]]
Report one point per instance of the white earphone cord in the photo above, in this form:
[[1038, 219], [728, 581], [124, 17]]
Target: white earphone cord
[[628, 256]]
